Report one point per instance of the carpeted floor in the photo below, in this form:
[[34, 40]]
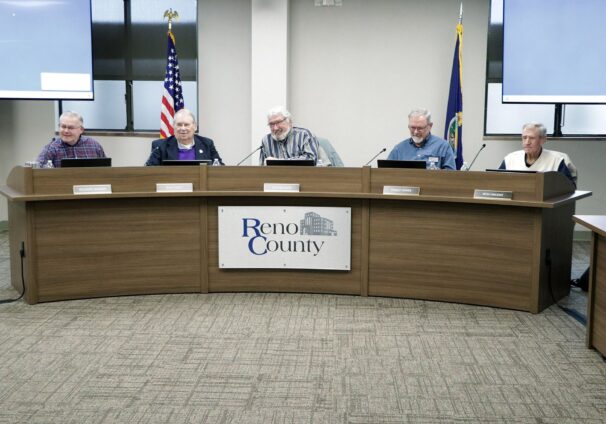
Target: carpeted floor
[[287, 358]]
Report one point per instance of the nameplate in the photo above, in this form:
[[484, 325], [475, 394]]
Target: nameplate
[[492, 194], [401, 190], [275, 187], [174, 187], [93, 189]]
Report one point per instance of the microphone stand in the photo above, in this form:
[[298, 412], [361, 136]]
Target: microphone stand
[[475, 157], [249, 155], [375, 156]]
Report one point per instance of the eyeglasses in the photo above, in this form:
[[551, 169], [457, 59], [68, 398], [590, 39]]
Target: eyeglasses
[[69, 127], [275, 123], [413, 129]]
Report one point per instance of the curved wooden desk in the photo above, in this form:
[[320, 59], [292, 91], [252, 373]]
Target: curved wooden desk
[[596, 305], [441, 245]]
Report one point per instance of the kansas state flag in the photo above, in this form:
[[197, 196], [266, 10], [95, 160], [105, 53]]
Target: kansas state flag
[[453, 131]]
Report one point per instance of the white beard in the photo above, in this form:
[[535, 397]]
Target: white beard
[[417, 140], [282, 137]]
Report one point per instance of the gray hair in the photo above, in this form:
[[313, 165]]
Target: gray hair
[[279, 110], [424, 113], [537, 126], [72, 114], [185, 112]]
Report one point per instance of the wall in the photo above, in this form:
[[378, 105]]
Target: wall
[[354, 73]]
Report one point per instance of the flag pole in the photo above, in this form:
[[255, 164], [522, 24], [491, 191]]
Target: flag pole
[[461, 14], [170, 14], [453, 131], [172, 95]]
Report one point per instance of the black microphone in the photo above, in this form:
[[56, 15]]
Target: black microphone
[[476, 156], [374, 157], [250, 154]]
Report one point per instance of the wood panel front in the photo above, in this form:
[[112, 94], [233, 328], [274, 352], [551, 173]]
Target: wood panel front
[[106, 247], [478, 254], [281, 280], [122, 180], [442, 245], [555, 254], [311, 179], [598, 292], [525, 187]]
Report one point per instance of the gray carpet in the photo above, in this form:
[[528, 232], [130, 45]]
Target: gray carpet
[[288, 358]]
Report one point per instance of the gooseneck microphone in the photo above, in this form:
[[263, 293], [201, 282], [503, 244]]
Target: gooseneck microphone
[[476, 156], [375, 156], [250, 154]]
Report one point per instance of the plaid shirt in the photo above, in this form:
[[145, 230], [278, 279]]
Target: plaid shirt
[[56, 150]]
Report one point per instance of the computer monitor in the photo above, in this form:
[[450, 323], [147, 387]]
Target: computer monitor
[[85, 162], [519, 171], [290, 162], [391, 163], [188, 162]]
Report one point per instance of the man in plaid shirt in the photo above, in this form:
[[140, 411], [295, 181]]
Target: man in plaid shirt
[[70, 143]]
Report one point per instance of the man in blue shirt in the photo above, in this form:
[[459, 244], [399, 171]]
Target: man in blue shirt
[[422, 145]]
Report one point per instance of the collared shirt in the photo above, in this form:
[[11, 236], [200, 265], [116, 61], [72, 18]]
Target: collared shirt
[[56, 150], [431, 149], [300, 144], [185, 146]]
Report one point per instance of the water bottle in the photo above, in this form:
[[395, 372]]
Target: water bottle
[[49, 164], [216, 162], [433, 162]]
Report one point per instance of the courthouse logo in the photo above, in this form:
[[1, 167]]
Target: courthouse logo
[[314, 225]]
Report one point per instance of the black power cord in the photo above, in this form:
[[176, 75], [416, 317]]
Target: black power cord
[[575, 314], [22, 255]]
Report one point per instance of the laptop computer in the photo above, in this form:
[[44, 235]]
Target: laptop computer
[[290, 162], [519, 171], [85, 162], [411, 164], [189, 162]]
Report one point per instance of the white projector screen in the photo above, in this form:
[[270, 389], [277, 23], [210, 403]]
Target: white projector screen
[[47, 49], [554, 51]]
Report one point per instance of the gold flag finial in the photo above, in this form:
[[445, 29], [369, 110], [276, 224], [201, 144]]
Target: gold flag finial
[[170, 14]]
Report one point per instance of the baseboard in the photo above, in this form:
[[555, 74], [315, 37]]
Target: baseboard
[[581, 235], [3, 225]]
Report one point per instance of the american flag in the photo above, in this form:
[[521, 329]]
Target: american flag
[[172, 98]]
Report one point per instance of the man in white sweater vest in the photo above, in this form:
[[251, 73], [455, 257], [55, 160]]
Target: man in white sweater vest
[[534, 157]]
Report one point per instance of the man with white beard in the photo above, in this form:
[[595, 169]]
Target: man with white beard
[[285, 141], [422, 145]]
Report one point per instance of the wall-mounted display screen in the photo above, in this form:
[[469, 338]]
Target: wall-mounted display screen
[[554, 51], [46, 46]]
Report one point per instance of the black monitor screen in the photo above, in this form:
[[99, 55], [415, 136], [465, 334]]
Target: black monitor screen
[[290, 162], [85, 162], [189, 162], [389, 163]]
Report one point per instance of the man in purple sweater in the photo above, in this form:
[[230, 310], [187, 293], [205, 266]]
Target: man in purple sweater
[[185, 144]]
